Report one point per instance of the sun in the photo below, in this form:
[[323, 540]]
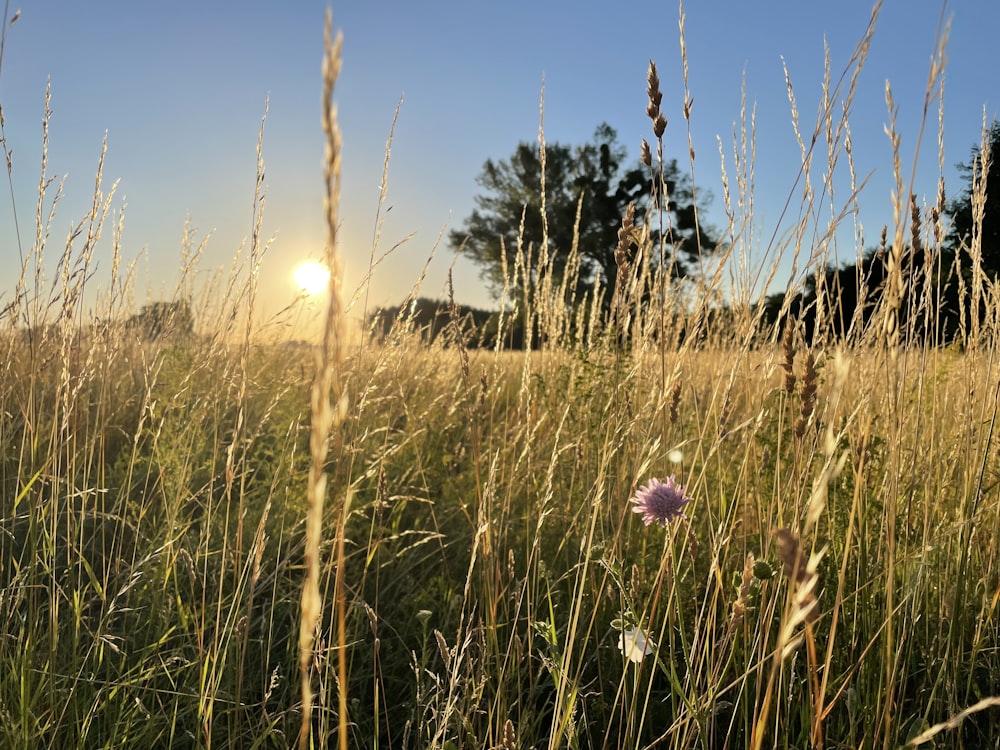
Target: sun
[[312, 277]]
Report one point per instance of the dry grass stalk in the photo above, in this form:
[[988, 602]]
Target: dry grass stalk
[[954, 722], [328, 411]]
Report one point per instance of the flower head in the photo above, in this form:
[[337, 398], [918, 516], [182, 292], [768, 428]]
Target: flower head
[[660, 501], [634, 644]]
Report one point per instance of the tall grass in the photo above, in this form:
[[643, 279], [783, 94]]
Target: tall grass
[[171, 576]]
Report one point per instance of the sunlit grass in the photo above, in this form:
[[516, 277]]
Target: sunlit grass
[[481, 578]]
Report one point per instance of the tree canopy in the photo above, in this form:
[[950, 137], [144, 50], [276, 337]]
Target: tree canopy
[[597, 172], [961, 211]]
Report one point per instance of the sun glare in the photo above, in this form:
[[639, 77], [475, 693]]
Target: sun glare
[[312, 277]]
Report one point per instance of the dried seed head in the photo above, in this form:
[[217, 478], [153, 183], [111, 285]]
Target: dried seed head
[[622, 255], [659, 125], [260, 543], [508, 739], [645, 155], [691, 541], [381, 491], [915, 225], [739, 610], [936, 225], [273, 682], [675, 401], [808, 394], [443, 649], [653, 91], [788, 363], [788, 552], [372, 619], [799, 568]]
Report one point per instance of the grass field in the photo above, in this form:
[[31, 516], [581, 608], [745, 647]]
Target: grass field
[[437, 540]]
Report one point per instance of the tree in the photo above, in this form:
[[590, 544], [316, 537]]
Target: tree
[[595, 171], [933, 305], [162, 319], [961, 208], [851, 297]]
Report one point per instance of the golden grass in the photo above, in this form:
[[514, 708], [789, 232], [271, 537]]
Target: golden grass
[[172, 574]]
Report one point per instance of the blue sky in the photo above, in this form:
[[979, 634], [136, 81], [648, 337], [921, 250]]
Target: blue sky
[[180, 90]]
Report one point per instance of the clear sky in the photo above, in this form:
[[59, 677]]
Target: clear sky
[[180, 89]]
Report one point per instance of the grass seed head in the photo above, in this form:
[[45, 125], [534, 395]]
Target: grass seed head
[[659, 125], [915, 225], [508, 739], [655, 98], [675, 401], [808, 394], [622, 254], [653, 91], [788, 363], [799, 568]]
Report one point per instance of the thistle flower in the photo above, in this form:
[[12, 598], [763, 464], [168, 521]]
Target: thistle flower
[[660, 502], [635, 644]]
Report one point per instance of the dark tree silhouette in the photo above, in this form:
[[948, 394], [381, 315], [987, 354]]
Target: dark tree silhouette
[[944, 321], [960, 209], [160, 319], [851, 299], [596, 171], [435, 318]]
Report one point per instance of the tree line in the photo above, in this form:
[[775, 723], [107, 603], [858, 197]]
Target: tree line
[[938, 303], [589, 188]]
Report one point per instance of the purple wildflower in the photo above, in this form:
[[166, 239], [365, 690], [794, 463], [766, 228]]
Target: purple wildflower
[[660, 502]]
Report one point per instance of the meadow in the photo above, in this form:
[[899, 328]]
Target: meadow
[[208, 535]]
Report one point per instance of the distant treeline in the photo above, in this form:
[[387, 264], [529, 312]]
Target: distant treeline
[[154, 321], [160, 319], [433, 319], [843, 303], [945, 294], [437, 320]]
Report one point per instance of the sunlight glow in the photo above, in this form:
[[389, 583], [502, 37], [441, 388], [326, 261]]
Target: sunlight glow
[[312, 277]]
